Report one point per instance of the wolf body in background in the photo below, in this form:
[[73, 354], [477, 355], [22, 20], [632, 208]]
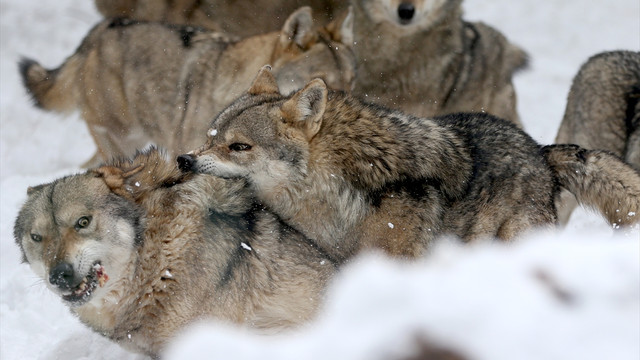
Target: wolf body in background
[[233, 17], [140, 83], [603, 111], [138, 250], [421, 57], [352, 175]]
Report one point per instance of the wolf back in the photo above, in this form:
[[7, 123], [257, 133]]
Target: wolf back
[[139, 83], [235, 18], [603, 111]]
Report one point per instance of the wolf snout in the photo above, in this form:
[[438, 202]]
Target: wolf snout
[[62, 276], [406, 12], [186, 162]]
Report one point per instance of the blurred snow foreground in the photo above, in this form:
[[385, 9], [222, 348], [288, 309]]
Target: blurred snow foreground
[[547, 297]]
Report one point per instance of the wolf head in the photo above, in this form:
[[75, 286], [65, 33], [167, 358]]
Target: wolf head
[[263, 136], [407, 15], [76, 235], [304, 53]]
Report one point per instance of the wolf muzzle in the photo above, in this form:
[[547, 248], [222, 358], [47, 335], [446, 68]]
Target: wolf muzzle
[[62, 276], [186, 162], [406, 12]]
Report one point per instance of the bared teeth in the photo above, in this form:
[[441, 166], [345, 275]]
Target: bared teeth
[[100, 274]]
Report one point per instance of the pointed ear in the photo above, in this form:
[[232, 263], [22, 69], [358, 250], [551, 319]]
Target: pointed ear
[[306, 108], [264, 83], [298, 29], [341, 29], [115, 178], [34, 189]]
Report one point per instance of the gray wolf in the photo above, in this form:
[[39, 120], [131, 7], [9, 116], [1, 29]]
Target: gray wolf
[[421, 57], [236, 18], [138, 250], [352, 175], [603, 111], [139, 83]]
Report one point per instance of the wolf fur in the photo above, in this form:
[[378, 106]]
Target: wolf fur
[[421, 57], [237, 18], [598, 179], [177, 248], [138, 83], [352, 175], [603, 111]]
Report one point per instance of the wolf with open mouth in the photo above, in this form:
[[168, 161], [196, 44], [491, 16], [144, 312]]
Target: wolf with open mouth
[[139, 250]]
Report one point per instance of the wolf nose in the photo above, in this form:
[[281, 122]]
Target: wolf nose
[[406, 11], [185, 162], [62, 276]]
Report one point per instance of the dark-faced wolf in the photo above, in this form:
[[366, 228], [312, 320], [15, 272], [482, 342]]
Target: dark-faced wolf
[[603, 111], [151, 83], [138, 250], [421, 57], [353, 175]]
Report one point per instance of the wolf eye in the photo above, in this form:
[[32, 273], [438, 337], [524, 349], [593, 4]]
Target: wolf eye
[[83, 222], [36, 237], [239, 147]]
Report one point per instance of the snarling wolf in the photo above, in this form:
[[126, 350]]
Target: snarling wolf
[[138, 250], [603, 112], [352, 175], [421, 57], [139, 83]]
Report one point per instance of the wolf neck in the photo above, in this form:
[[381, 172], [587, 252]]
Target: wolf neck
[[423, 63]]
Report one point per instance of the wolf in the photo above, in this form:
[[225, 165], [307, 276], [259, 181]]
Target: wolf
[[603, 111], [421, 57], [139, 83], [352, 175], [232, 17], [138, 250]]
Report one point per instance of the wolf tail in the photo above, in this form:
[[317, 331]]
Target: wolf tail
[[54, 90], [598, 179]]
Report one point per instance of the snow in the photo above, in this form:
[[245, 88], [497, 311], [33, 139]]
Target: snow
[[574, 294]]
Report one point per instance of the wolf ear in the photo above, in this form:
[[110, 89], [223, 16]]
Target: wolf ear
[[34, 189], [115, 178], [306, 108], [264, 83], [341, 29], [298, 29]]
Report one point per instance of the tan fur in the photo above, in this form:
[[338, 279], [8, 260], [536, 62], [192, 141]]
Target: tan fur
[[177, 248], [435, 63], [600, 180], [603, 112], [351, 175], [235, 17], [142, 83]]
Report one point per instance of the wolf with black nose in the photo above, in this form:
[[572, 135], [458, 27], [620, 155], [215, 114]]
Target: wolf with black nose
[[421, 57]]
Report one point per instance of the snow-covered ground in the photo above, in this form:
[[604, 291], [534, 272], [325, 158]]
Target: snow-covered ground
[[570, 295]]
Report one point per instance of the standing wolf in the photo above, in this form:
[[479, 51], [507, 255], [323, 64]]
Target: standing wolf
[[352, 175], [233, 17], [139, 83], [603, 111], [421, 57], [138, 250]]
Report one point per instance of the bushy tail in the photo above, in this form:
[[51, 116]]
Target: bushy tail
[[54, 90], [598, 179]]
